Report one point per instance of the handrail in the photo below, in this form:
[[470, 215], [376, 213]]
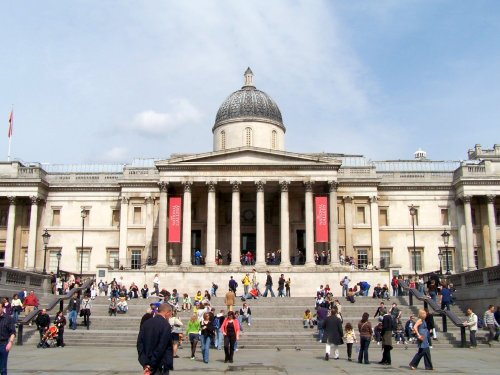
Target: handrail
[[58, 300], [412, 292]]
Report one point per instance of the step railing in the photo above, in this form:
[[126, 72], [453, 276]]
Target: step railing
[[59, 300], [445, 314]]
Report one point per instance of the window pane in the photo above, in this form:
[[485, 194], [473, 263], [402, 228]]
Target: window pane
[[53, 261], [137, 215], [113, 258], [385, 258], [362, 258], [450, 260], [136, 259], [418, 256]]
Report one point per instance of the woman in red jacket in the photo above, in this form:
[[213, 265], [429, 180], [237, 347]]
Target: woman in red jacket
[[231, 331]]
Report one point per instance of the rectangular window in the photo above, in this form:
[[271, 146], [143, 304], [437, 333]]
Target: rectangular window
[[382, 217], [360, 215], [451, 260], [136, 259], [444, 217], [83, 259], [53, 261], [115, 218], [362, 258], [56, 217], [385, 258], [416, 256], [113, 258], [137, 215]]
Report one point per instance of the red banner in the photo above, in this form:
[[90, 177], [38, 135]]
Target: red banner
[[321, 205], [174, 219]]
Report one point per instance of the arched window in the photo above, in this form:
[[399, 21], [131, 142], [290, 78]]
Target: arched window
[[274, 140], [222, 140], [248, 136]]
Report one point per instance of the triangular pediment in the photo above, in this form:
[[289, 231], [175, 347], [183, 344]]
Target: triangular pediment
[[248, 156]]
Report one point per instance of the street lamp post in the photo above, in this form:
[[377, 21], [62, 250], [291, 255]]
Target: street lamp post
[[413, 212], [84, 215], [446, 240], [440, 256], [58, 255], [46, 238]]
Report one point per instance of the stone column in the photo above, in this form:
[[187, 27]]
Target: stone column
[[235, 225], [261, 226], [493, 230], [162, 225], [11, 226], [122, 251], [375, 231], [284, 225], [33, 233], [149, 226], [461, 251], [186, 226], [309, 224], [469, 233], [349, 251], [334, 226], [210, 258]]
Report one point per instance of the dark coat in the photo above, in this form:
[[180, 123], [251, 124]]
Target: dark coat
[[333, 330], [154, 344], [387, 327]]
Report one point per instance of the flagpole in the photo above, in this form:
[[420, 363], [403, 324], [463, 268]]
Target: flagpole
[[8, 155], [11, 125]]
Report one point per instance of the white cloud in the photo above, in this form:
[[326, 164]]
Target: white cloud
[[116, 154], [151, 123]]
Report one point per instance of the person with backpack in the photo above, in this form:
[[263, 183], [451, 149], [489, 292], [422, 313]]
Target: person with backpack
[[472, 323], [217, 323]]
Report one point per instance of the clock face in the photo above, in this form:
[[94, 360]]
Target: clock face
[[248, 215]]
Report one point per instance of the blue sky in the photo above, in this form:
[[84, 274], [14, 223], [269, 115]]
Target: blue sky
[[108, 81]]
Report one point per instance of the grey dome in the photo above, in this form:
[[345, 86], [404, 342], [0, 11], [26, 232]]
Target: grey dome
[[248, 104]]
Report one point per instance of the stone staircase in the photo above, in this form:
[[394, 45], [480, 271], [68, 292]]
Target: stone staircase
[[276, 323]]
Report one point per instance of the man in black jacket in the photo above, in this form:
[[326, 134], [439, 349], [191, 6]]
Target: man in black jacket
[[269, 285], [73, 309], [42, 322], [387, 327], [154, 343], [333, 334]]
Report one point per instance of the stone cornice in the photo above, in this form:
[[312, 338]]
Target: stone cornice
[[358, 184], [254, 167], [85, 188], [477, 182], [415, 187]]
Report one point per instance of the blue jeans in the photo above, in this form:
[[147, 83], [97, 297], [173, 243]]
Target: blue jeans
[[205, 347], [15, 315], [321, 331], [270, 288], [345, 289], [219, 339], [365, 292], [72, 319], [248, 319], [433, 296], [363, 349], [3, 359]]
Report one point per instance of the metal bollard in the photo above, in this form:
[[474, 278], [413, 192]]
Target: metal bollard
[[463, 337], [411, 299], [445, 323], [20, 334]]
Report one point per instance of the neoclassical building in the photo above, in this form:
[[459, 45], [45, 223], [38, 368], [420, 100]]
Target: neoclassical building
[[250, 194]]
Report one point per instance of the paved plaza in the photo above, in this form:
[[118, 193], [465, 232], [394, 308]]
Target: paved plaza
[[85, 360]]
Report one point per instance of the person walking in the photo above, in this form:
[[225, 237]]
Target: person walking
[[345, 286], [471, 322], [85, 310], [7, 335], [421, 331], [231, 331], [490, 323], [233, 285], [154, 343], [281, 286], [229, 300], [156, 285], [60, 322], [17, 307], [350, 339], [193, 333], [73, 309], [333, 334], [387, 327], [288, 283], [246, 283], [269, 285], [207, 334], [365, 337], [445, 298]]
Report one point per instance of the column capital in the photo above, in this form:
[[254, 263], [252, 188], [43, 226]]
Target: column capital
[[374, 199], [333, 186], [236, 185], [187, 186], [347, 199], [125, 200], [12, 200], [163, 186], [149, 200], [467, 198], [490, 198], [284, 185], [211, 186], [308, 185], [34, 200], [260, 185]]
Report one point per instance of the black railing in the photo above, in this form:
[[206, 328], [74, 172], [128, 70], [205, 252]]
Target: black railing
[[445, 314], [59, 300]]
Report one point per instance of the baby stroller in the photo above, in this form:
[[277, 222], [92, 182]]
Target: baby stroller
[[49, 338]]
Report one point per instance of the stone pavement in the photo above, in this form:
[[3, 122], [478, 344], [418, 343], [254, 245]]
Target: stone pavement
[[87, 360]]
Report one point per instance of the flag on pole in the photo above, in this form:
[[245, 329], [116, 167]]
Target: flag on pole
[[11, 123]]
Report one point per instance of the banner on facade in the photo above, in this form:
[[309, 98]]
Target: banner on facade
[[321, 205], [174, 219]]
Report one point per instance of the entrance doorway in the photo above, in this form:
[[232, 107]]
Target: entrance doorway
[[299, 257], [248, 244], [196, 245]]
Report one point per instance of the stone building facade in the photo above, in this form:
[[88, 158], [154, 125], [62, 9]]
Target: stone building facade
[[250, 194]]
